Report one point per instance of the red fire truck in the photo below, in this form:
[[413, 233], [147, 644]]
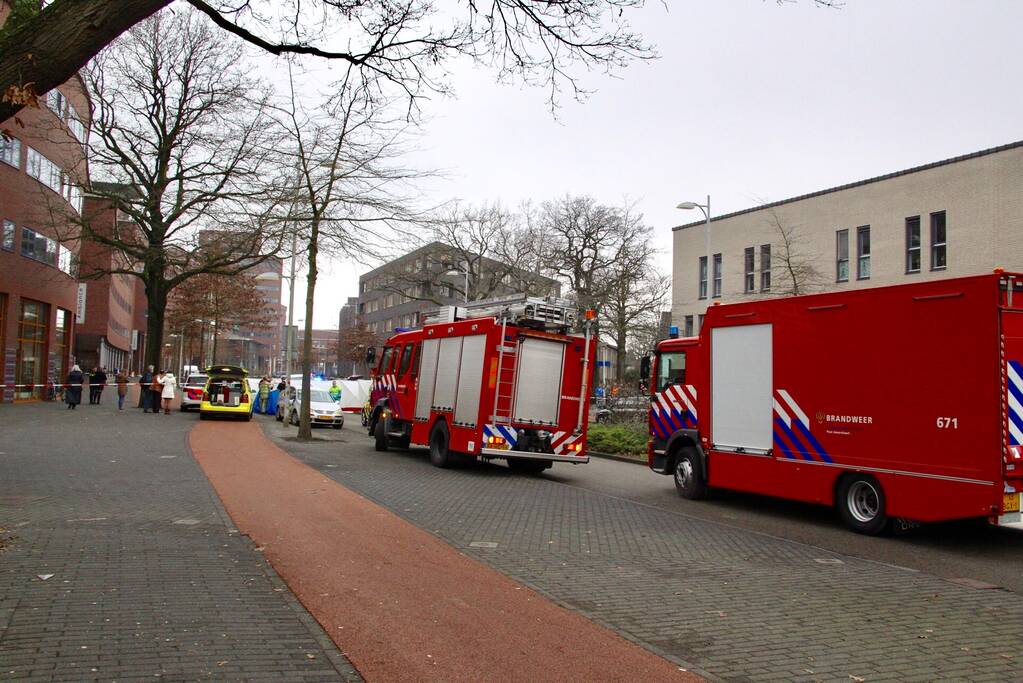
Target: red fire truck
[[897, 405], [495, 379]]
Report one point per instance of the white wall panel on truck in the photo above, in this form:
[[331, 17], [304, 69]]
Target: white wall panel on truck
[[427, 376], [448, 361], [742, 387], [470, 380], [538, 382]]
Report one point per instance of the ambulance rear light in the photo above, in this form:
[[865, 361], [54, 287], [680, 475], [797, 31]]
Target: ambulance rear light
[[206, 396], [245, 398]]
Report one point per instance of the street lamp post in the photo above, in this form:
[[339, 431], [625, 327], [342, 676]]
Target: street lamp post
[[705, 208], [455, 272]]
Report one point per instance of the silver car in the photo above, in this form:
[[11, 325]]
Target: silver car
[[191, 392], [323, 410]]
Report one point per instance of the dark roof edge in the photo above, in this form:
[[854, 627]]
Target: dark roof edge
[[867, 181]]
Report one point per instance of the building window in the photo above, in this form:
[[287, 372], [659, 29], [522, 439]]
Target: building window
[[8, 237], [45, 171], [863, 252], [717, 275], [10, 151], [938, 245], [688, 327], [703, 277], [38, 247], [699, 323], [765, 267], [74, 122], [913, 244], [750, 278], [842, 256], [30, 362], [55, 101]]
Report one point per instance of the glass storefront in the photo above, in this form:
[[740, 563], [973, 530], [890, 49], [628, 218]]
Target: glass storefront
[[61, 335], [30, 364]]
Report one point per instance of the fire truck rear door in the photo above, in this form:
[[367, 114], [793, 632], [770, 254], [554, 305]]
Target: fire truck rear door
[[742, 387], [538, 381], [427, 378]]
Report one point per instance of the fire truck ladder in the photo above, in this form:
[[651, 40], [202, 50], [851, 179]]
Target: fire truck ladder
[[518, 309]]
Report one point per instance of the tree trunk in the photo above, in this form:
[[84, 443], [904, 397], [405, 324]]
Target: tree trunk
[[156, 295], [50, 48], [620, 336], [305, 428]]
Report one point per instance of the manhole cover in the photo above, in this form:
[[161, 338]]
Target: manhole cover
[[482, 544]]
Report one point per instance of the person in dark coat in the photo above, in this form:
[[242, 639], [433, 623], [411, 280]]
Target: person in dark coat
[[96, 384], [73, 390], [147, 396]]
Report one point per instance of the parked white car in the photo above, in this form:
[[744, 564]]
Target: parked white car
[[191, 391], [323, 410]]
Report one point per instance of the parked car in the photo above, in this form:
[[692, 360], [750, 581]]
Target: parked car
[[226, 394], [622, 409], [323, 409], [191, 392]]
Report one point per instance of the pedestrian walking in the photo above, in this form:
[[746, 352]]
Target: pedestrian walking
[[145, 395], [73, 390], [101, 382], [169, 383], [264, 393], [92, 384], [156, 392], [121, 378]]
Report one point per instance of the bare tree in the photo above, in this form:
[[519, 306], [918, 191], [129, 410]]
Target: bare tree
[[584, 238], [354, 341], [402, 42], [796, 271], [477, 253], [633, 291], [179, 139], [345, 186]]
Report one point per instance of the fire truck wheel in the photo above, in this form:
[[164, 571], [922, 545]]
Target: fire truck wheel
[[380, 436], [861, 504], [689, 480], [440, 456]]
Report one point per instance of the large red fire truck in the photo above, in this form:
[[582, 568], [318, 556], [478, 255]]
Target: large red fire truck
[[495, 379], [897, 405]]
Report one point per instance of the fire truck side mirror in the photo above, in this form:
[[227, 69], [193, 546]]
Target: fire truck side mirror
[[371, 355], [644, 368]]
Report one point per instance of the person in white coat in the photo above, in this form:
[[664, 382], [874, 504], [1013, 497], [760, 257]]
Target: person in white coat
[[170, 383]]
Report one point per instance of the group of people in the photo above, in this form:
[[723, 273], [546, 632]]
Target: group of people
[[157, 388], [97, 381]]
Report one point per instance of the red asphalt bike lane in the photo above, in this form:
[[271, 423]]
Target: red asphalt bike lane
[[399, 602]]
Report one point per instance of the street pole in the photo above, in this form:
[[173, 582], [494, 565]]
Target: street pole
[[466, 280], [706, 238], [291, 307], [181, 351]]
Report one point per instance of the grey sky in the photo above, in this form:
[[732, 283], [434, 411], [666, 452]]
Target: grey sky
[[749, 101]]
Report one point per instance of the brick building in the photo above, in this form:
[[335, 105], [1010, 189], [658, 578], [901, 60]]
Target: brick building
[[324, 354], [105, 334], [43, 167], [955, 217]]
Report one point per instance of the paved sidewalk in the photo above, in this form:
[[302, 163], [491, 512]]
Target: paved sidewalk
[[120, 562], [408, 606]]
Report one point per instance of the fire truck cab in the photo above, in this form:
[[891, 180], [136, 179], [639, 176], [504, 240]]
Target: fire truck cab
[[495, 379], [897, 405]]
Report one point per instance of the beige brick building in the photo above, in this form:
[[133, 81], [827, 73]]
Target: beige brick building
[[960, 216]]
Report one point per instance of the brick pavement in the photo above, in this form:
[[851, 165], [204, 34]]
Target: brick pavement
[[149, 578], [737, 604]]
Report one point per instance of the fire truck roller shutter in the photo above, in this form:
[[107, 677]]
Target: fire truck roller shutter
[[448, 361], [538, 383], [742, 387], [470, 380], [427, 376]]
